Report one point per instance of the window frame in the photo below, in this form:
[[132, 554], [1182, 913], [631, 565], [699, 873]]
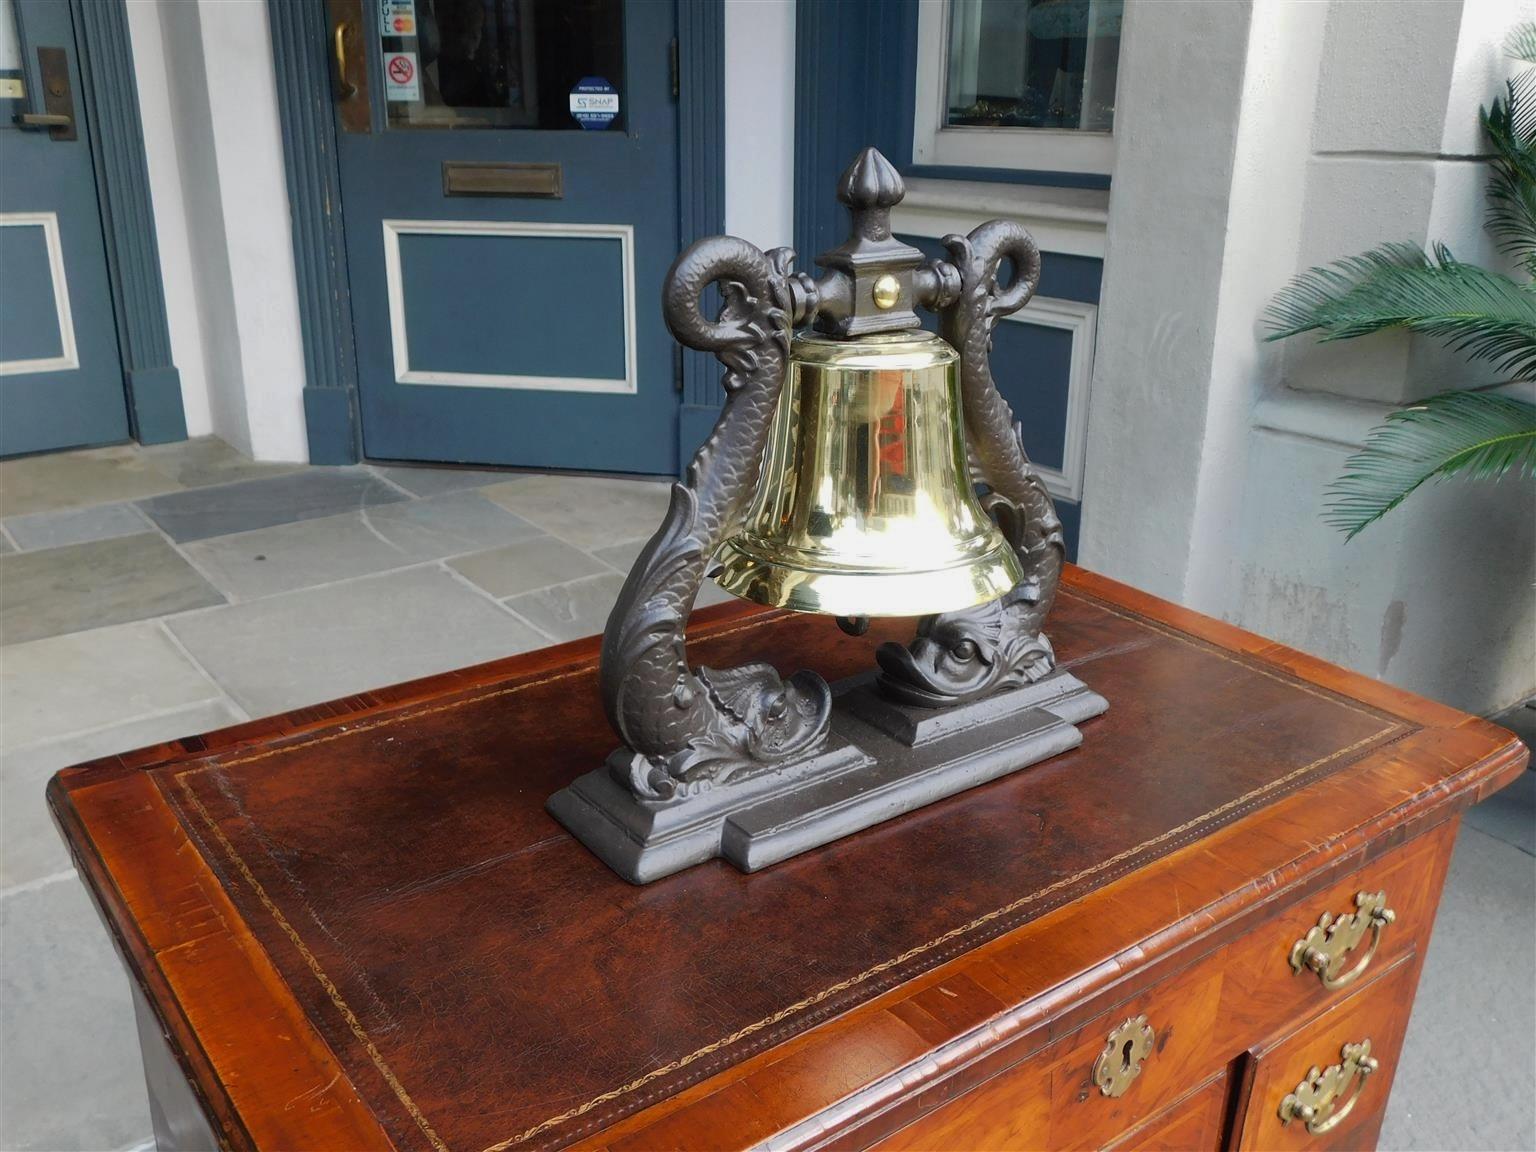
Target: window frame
[[1019, 149]]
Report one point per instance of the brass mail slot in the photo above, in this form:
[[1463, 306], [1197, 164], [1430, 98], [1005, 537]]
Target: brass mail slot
[[472, 178]]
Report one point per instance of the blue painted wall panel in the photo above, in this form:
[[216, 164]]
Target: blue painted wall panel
[[1066, 277], [1062, 277], [1071, 523], [1032, 365], [855, 84], [29, 323], [471, 301]]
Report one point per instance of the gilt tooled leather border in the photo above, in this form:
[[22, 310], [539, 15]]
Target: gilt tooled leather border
[[606, 1107]]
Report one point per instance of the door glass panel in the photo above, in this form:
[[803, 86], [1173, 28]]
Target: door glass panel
[[10, 43], [12, 86], [501, 63], [1033, 64]]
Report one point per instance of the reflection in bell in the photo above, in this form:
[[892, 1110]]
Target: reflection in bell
[[863, 506]]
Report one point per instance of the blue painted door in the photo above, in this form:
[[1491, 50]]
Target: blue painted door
[[61, 383], [495, 325]]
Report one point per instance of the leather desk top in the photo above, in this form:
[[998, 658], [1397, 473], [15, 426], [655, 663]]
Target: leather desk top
[[383, 871]]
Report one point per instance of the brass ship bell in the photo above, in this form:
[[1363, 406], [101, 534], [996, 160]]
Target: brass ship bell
[[864, 504]]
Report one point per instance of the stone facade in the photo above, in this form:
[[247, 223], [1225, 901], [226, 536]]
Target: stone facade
[[1257, 140]]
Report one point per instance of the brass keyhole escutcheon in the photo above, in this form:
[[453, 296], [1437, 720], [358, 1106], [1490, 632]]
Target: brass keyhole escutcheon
[[1120, 1063]]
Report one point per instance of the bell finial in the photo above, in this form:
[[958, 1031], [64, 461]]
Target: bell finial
[[871, 187], [871, 181], [875, 290]]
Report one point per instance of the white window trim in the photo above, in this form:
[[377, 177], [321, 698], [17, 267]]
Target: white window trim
[[1018, 149], [1071, 221]]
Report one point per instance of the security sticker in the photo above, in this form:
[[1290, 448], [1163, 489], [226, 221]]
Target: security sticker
[[594, 103]]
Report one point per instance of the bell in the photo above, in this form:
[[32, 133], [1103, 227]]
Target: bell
[[863, 504]]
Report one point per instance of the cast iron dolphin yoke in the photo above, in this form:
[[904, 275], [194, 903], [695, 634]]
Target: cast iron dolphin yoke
[[841, 478]]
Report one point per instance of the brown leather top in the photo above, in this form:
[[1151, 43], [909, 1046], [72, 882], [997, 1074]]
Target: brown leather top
[[487, 984]]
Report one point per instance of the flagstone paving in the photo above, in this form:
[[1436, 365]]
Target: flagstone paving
[[84, 586]]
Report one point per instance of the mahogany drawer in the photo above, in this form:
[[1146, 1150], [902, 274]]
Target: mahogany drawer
[[1055, 1098], [1225, 1004], [1269, 986], [1325, 1085], [1193, 1124]]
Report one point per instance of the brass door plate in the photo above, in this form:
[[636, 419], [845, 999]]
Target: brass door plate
[[58, 100], [476, 178], [1120, 1062], [349, 65]]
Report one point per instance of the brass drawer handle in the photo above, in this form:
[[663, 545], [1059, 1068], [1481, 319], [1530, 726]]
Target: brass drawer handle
[[1325, 947], [1325, 1097], [1120, 1062]]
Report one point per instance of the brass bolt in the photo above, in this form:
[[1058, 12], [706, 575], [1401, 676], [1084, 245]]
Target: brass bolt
[[887, 292]]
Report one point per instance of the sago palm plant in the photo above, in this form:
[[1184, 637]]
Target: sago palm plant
[[1478, 434]]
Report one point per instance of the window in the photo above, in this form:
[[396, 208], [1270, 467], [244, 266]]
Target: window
[[498, 63], [1033, 64], [1022, 84]]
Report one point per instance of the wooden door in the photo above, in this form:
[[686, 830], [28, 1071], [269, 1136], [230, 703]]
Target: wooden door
[[61, 380], [510, 202]]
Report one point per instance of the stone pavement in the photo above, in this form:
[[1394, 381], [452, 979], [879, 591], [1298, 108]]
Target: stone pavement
[[151, 593]]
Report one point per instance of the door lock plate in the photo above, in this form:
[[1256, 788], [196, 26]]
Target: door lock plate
[[58, 114]]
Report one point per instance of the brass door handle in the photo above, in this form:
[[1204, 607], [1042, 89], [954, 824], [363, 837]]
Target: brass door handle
[[339, 43], [1325, 947], [42, 121], [1326, 1096]]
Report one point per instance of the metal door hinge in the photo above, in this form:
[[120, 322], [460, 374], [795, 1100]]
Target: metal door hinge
[[673, 66]]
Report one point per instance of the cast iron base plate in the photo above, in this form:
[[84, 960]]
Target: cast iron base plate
[[881, 759]]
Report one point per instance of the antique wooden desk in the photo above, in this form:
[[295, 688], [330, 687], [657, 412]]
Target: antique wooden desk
[[355, 927]]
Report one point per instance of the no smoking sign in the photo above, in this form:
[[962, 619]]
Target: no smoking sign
[[401, 81]]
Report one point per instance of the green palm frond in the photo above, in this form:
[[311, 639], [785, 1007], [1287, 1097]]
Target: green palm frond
[[1521, 43], [1520, 100], [1482, 313], [1510, 125], [1481, 435]]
